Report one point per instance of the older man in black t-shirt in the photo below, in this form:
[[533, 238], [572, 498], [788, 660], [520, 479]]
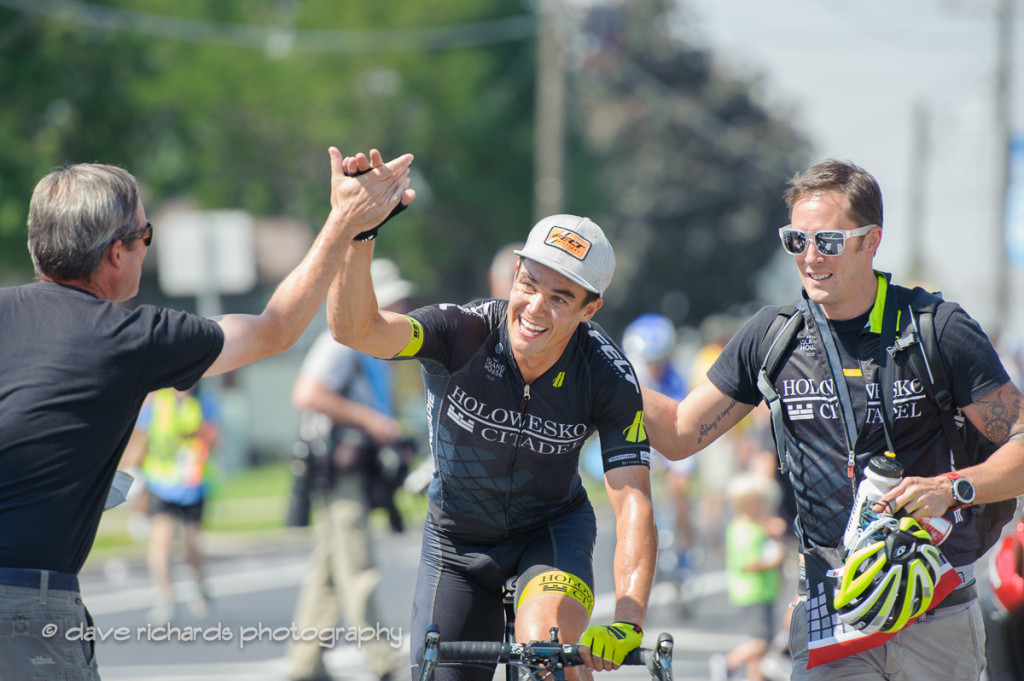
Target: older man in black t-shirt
[[75, 367]]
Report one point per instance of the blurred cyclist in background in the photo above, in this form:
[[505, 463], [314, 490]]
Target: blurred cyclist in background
[[649, 342], [502, 271]]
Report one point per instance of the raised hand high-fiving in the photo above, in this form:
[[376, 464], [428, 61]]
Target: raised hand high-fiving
[[366, 192]]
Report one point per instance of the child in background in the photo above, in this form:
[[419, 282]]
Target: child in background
[[753, 560]]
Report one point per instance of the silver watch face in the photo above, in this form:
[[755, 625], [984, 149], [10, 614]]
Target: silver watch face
[[963, 490]]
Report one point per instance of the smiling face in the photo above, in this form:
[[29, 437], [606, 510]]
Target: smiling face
[[844, 285], [544, 310]]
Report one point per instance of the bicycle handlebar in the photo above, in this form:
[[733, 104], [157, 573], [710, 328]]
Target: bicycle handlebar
[[658, 660], [493, 652]]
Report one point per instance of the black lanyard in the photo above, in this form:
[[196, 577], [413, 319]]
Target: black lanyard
[[886, 374], [839, 381]]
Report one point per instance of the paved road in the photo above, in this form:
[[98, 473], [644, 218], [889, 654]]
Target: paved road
[[254, 589]]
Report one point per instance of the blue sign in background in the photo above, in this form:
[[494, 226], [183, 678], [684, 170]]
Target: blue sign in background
[[1015, 204]]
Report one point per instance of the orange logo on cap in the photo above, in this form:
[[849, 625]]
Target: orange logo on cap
[[570, 242]]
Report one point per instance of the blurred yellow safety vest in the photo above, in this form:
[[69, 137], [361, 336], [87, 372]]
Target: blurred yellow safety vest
[[176, 455]]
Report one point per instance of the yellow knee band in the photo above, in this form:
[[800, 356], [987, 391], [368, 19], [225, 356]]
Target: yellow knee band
[[560, 582]]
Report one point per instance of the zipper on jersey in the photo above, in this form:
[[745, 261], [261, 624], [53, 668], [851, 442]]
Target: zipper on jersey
[[523, 403]]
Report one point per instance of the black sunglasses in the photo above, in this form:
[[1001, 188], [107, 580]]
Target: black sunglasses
[[146, 234]]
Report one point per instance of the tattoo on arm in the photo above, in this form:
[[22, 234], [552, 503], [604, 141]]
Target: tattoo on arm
[[709, 429], [1001, 413]]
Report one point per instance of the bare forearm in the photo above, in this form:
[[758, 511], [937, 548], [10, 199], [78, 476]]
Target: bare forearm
[[351, 302], [680, 429], [1001, 476], [636, 552], [1000, 417], [312, 395], [250, 338], [298, 297], [660, 422]]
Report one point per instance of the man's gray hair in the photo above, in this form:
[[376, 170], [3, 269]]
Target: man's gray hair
[[75, 212]]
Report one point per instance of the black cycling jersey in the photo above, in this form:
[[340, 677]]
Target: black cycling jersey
[[507, 453]]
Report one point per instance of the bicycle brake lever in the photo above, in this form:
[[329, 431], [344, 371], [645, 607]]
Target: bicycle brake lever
[[431, 648], [661, 661]]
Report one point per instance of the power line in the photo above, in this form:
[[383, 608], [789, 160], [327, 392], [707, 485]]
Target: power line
[[115, 19]]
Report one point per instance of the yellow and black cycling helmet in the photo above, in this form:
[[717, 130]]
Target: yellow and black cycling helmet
[[888, 583]]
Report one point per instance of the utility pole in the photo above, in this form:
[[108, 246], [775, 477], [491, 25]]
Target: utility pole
[[549, 112], [918, 187], [1004, 132]]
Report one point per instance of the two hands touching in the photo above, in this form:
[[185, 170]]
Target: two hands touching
[[366, 192]]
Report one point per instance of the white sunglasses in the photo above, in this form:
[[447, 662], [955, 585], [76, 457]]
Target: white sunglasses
[[829, 242]]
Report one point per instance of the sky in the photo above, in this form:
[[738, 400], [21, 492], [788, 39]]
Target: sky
[[853, 76]]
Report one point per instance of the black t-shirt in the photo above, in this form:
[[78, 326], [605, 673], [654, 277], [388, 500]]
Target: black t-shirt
[[815, 439], [971, 362], [507, 454], [74, 371]]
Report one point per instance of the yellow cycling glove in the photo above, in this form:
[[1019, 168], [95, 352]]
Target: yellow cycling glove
[[612, 641]]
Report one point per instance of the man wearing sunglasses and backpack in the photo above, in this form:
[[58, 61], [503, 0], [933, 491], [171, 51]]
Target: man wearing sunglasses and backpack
[[830, 387]]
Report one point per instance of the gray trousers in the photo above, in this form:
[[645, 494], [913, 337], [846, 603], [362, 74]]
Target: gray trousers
[[340, 585], [946, 644], [41, 635]]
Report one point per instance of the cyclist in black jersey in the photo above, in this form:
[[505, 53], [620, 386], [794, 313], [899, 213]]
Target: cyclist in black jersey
[[514, 389]]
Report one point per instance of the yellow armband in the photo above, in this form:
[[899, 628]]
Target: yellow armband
[[415, 339]]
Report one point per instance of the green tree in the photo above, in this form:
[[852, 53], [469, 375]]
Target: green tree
[[691, 168], [234, 105]]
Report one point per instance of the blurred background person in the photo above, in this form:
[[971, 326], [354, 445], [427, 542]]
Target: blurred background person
[[719, 462], [348, 418], [503, 270], [753, 559], [649, 342], [178, 431]]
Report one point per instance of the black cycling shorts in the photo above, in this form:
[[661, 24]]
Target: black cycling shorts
[[459, 585], [190, 513]]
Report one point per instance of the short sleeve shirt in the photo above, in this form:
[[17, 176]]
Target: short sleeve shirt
[[74, 371], [815, 438], [507, 453]]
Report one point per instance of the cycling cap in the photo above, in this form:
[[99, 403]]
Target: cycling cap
[[649, 337], [888, 583], [574, 247], [1006, 571]]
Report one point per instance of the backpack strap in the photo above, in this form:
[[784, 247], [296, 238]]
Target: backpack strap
[[887, 361], [928, 366], [992, 517], [777, 340]]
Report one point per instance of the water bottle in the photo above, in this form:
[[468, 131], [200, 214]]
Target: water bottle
[[881, 475]]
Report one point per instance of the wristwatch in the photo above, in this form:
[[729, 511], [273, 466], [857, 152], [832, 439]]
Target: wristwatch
[[963, 490]]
